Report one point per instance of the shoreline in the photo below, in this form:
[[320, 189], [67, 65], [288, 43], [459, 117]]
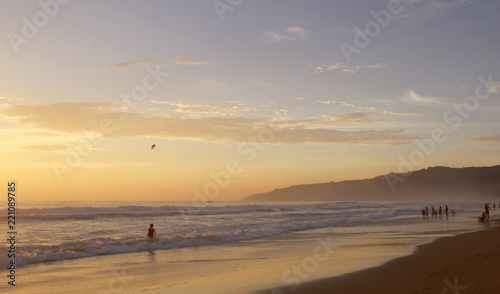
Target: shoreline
[[247, 266], [467, 262]]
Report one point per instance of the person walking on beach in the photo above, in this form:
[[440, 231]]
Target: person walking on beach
[[487, 211], [151, 232], [440, 211], [494, 207], [446, 211]]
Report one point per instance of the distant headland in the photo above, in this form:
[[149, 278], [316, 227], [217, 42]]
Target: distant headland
[[433, 183]]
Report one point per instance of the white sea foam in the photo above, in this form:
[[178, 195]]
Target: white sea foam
[[53, 231]]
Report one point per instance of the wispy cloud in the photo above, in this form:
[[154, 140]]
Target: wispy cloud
[[43, 147], [144, 61], [72, 118], [362, 109], [188, 61], [293, 33], [495, 88], [10, 98], [421, 11], [411, 97], [329, 102], [486, 139], [344, 67], [204, 108], [354, 118], [390, 112], [151, 61], [160, 102]]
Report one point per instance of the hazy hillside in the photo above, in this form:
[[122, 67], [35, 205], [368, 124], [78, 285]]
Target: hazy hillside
[[425, 184]]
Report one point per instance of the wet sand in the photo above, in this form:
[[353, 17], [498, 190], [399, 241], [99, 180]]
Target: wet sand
[[467, 263]]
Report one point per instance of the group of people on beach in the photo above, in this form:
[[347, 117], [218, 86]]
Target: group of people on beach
[[434, 212], [485, 217]]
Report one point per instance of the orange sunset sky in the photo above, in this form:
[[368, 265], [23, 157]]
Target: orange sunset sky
[[240, 98]]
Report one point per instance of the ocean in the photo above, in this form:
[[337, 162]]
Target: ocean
[[58, 231]]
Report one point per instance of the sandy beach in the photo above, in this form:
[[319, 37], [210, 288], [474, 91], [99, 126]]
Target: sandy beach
[[467, 263]]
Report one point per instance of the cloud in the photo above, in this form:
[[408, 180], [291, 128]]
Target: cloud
[[160, 102], [495, 88], [354, 118], [486, 139], [411, 97], [44, 147], [378, 65], [417, 12], [152, 62], [10, 98], [204, 108], [400, 113], [345, 68], [144, 61], [331, 102], [361, 109], [75, 118], [294, 33], [326, 102], [188, 61]]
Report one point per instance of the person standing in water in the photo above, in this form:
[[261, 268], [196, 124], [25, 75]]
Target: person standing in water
[[446, 211], [151, 232]]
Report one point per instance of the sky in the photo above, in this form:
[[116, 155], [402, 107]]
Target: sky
[[240, 96]]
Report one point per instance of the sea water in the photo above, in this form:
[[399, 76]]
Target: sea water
[[57, 231]]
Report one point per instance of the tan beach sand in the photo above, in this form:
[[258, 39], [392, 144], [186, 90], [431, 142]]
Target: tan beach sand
[[468, 263]]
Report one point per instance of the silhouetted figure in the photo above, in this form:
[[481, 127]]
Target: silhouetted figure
[[151, 232], [482, 218]]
